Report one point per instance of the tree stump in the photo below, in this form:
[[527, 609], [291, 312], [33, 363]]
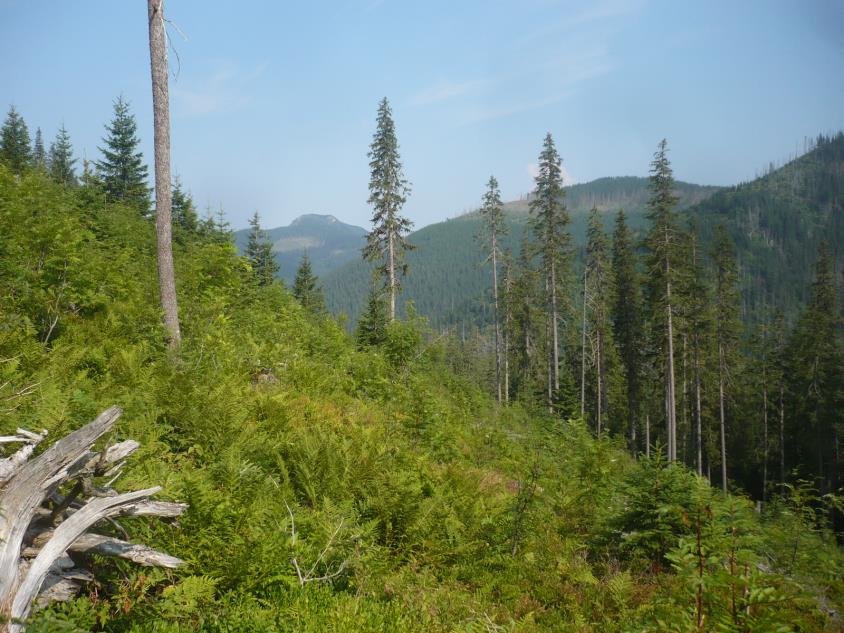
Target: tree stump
[[47, 505]]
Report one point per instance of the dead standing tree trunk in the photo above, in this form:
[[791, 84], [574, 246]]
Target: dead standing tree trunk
[[43, 533], [163, 222]]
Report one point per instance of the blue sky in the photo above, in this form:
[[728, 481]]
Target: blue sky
[[274, 104]]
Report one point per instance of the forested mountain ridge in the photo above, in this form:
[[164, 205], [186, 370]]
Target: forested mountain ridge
[[329, 243], [337, 487], [777, 222], [447, 282]]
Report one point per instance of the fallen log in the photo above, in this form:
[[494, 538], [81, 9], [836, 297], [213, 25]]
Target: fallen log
[[40, 528]]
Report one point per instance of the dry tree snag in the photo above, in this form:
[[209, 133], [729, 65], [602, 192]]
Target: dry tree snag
[[47, 504]]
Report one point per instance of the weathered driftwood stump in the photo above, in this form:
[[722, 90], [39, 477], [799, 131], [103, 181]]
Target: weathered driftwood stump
[[47, 504]]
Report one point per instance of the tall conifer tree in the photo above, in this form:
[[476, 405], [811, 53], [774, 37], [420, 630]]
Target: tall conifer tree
[[597, 300], [39, 154], [726, 329], [388, 191], [627, 319], [494, 227], [550, 221], [698, 318], [816, 376], [662, 242], [122, 171], [15, 150]]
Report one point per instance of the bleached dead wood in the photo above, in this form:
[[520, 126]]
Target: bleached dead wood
[[43, 533]]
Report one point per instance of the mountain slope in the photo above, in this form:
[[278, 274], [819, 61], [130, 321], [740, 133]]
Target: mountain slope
[[777, 222], [330, 243], [447, 283], [331, 488]]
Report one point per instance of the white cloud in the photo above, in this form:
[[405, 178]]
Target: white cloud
[[533, 172], [446, 90], [519, 107], [224, 90]]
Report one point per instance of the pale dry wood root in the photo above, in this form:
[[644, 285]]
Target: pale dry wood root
[[44, 534]]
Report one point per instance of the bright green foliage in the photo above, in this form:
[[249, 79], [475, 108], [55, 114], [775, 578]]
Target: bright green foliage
[[391, 467], [122, 172], [62, 160], [388, 191], [15, 151], [259, 253], [39, 154], [306, 287], [185, 218]]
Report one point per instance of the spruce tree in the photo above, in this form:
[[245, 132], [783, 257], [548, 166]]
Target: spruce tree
[[726, 329], [662, 245], [15, 151], [599, 285], [184, 210], [372, 326], [39, 154], [816, 376], [494, 227], [549, 221], [699, 322], [388, 190], [259, 252], [627, 319], [62, 160], [122, 171], [306, 287]]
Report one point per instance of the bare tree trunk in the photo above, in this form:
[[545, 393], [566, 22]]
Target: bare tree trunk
[[495, 316], [391, 264], [721, 370], [583, 355], [163, 221], [684, 420], [698, 410], [782, 432], [647, 435], [600, 368], [764, 430], [555, 352], [671, 410]]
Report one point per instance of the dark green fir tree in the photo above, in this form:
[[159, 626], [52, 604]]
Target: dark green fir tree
[[122, 170], [628, 326], [550, 224], [183, 209], [259, 252], [15, 150], [372, 325], [39, 154], [62, 160], [388, 191], [306, 287]]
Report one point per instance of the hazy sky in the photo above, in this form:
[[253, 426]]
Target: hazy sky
[[274, 104]]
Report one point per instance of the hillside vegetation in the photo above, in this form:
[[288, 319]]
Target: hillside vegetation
[[405, 497], [447, 281], [777, 223]]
